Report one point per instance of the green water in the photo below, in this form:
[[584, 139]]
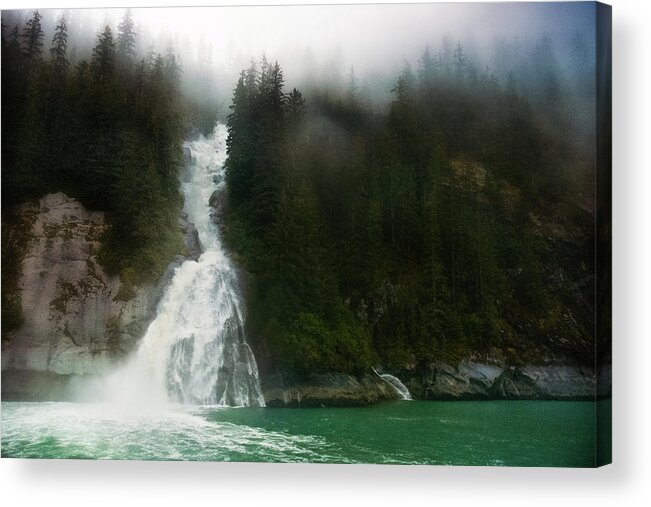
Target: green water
[[516, 433]]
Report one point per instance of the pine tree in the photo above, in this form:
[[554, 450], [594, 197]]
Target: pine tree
[[405, 86], [13, 45], [402, 113], [426, 68], [126, 38], [265, 181], [275, 98], [240, 145], [33, 36], [295, 103], [14, 87], [172, 68], [352, 85], [59, 48], [103, 55]]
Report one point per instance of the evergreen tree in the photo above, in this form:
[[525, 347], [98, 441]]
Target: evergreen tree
[[295, 103], [126, 38], [272, 95], [426, 68], [14, 84], [402, 115], [352, 85], [265, 184], [33, 36], [241, 142], [103, 59], [59, 48], [404, 88], [13, 45], [172, 68]]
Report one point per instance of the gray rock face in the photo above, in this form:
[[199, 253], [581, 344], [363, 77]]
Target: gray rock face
[[476, 381], [546, 382], [332, 389], [187, 155], [217, 202], [190, 238], [76, 320]]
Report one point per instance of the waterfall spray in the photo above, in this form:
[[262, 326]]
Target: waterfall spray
[[195, 350]]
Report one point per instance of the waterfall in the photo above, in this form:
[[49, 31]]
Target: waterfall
[[195, 351], [397, 385]]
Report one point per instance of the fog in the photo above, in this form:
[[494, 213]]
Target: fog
[[321, 43]]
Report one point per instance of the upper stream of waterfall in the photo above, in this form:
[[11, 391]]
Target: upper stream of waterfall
[[195, 351]]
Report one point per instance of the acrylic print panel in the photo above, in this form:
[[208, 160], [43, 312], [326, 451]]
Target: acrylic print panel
[[342, 234]]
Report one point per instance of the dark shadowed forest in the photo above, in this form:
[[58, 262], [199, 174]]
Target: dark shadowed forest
[[457, 222]]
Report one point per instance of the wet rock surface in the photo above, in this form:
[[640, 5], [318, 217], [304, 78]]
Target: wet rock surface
[[476, 381], [77, 320], [332, 389]]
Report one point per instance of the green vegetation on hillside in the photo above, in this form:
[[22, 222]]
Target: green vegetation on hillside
[[448, 225], [107, 131]]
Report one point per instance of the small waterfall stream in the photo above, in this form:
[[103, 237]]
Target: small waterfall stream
[[195, 351], [397, 385]]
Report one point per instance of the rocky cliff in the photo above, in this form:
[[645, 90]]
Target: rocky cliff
[[76, 320]]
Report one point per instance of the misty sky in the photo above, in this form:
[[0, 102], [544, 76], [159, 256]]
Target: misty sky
[[368, 36], [360, 31]]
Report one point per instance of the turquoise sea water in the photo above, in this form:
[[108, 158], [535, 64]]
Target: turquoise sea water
[[515, 433]]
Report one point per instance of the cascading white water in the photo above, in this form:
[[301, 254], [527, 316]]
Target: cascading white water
[[397, 385], [194, 351]]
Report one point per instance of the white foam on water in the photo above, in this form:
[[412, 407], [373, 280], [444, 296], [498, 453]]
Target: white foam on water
[[175, 432]]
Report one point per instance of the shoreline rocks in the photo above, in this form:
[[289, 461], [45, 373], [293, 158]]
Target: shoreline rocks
[[331, 389], [479, 381], [469, 381]]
